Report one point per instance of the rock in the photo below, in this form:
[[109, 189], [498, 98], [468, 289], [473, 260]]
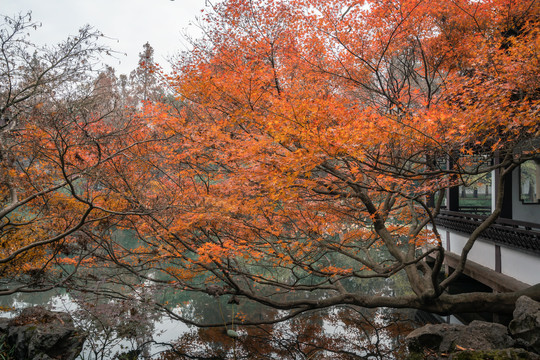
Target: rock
[[525, 326], [445, 338], [4, 324], [499, 354], [481, 340], [435, 337], [40, 334], [481, 335]]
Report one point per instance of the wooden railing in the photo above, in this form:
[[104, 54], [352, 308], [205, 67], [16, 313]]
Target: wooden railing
[[512, 233], [480, 210]]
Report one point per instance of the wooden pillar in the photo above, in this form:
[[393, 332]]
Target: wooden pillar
[[537, 178], [452, 194], [430, 164], [506, 211], [498, 264]]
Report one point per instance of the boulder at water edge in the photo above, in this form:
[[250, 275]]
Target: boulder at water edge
[[445, 338], [481, 340], [525, 326], [40, 334]]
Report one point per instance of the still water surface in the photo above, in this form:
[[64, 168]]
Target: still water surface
[[116, 327]]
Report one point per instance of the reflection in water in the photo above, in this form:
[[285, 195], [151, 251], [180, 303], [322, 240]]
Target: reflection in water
[[341, 333], [116, 326], [113, 327]]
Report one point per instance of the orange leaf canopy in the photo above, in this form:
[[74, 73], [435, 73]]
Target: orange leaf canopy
[[312, 133]]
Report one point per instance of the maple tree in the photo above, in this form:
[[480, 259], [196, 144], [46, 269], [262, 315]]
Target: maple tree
[[305, 155], [59, 127], [311, 149]]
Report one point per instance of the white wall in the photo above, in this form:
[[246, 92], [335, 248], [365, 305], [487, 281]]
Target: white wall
[[482, 252], [514, 263], [520, 265]]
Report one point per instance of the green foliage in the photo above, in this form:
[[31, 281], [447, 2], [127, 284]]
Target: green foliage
[[504, 354], [6, 352], [415, 356], [499, 354]]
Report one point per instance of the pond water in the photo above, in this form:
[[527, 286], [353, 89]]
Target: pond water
[[122, 326], [119, 327]]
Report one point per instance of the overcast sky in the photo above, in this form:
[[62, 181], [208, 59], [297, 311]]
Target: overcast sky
[[129, 23]]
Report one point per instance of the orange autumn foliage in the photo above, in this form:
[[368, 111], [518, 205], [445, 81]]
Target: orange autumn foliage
[[307, 147], [312, 137]]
